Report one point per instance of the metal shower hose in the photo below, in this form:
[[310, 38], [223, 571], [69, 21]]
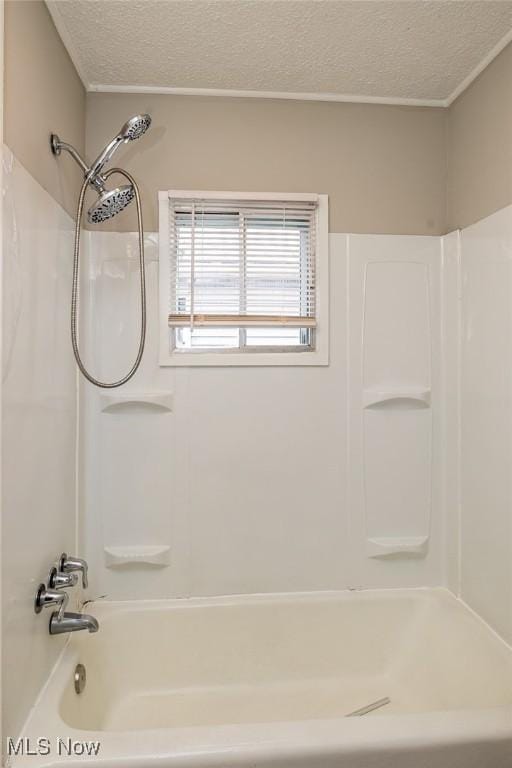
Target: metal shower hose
[[74, 292]]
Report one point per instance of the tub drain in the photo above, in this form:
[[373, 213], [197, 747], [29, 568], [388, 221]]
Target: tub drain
[[80, 678]]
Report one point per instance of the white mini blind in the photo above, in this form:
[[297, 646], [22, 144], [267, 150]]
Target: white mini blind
[[242, 264]]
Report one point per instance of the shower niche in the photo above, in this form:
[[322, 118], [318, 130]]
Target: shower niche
[[392, 394]]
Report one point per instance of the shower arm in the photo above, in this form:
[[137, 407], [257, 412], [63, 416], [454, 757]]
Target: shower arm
[[57, 146]]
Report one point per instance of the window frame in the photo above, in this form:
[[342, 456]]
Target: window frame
[[220, 358]]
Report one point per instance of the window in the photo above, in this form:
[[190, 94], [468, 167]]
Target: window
[[240, 278]]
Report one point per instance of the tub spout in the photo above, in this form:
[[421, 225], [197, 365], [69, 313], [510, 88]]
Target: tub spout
[[72, 622]]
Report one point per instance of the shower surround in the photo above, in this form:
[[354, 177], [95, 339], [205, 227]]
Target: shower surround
[[267, 479], [418, 371], [412, 380]]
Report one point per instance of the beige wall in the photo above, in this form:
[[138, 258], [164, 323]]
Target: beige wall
[[386, 169], [479, 146], [43, 93], [383, 167]]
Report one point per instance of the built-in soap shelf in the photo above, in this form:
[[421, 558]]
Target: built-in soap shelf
[[156, 555], [156, 401], [381, 395], [388, 546]]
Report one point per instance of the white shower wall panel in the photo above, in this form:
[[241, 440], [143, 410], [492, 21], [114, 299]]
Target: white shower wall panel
[[38, 427], [246, 479], [255, 458], [486, 419]]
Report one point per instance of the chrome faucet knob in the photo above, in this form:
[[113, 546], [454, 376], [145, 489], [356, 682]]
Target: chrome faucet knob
[[70, 564], [53, 598], [59, 580]]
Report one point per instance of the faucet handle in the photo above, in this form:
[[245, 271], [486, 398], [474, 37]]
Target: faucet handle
[[51, 597], [70, 564], [60, 580]]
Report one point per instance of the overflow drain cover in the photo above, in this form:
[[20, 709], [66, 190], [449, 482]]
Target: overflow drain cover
[[80, 678]]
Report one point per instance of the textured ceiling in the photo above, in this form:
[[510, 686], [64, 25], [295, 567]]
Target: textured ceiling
[[406, 49]]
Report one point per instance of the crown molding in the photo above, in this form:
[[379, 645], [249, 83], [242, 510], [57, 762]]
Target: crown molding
[[289, 95]]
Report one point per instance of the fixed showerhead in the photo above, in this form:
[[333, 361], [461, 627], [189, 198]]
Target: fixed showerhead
[[135, 127], [109, 203]]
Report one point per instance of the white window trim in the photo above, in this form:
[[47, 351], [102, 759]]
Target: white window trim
[[317, 356]]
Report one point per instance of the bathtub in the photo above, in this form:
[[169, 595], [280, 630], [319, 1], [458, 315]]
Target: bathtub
[[268, 680]]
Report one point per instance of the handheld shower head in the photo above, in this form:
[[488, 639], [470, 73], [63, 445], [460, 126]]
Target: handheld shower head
[[134, 128]]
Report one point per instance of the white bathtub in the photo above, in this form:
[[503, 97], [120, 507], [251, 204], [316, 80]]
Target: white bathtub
[[268, 680]]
